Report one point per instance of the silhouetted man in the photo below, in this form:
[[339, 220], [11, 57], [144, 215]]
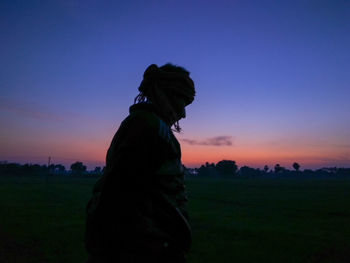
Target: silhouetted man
[[138, 209]]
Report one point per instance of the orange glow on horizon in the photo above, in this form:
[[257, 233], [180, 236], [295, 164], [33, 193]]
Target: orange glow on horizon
[[93, 152], [195, 156]]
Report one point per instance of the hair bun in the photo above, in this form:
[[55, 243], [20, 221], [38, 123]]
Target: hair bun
[[148, 75], [150, 70]]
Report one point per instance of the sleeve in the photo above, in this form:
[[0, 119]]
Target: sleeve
[[171, 180]]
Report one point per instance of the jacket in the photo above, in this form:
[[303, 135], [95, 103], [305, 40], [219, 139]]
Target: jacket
[[139, 204]]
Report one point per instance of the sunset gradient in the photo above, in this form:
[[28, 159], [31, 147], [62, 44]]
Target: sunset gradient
[[272, 78]]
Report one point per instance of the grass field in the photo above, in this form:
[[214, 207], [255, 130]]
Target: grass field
[[237, 220]]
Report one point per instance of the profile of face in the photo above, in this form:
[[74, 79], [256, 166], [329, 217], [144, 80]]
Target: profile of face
[[179, 105], [177, 102]]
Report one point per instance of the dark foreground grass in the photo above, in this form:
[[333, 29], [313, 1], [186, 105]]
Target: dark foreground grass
[[238, 220]]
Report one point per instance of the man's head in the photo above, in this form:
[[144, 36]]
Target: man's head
[[170, 89]]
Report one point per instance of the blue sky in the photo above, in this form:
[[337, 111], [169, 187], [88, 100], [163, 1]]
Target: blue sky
[[272, 75]]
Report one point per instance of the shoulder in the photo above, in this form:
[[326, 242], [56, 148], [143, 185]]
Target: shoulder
[[141, 122], [144, 119]]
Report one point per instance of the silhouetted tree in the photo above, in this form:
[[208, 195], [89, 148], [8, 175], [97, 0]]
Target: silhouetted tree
[[60, 168], [266, 168], [296, 166], [78, 168], [278, 168], [202, 171], [209, 165], [249, 172], [97, 170], [226, 167], [208, 171], [343, 172]]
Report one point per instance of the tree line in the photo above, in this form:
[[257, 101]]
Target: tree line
[[229, 169], [222, 169], [76, 169]]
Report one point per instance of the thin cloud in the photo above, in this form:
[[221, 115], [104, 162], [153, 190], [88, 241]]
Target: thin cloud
[[214, 141], [27, 109]]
